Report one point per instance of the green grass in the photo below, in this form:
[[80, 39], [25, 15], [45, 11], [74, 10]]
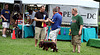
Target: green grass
[[26, 47]]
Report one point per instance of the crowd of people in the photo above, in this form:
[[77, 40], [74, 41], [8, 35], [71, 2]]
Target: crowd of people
[[39, 20]]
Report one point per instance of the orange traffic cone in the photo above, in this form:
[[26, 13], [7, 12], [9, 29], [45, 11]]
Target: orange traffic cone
[[13, 35]]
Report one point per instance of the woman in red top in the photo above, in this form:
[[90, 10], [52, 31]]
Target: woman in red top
[[59, 11]]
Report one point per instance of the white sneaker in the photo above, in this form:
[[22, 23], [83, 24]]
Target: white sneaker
[[3, 35]]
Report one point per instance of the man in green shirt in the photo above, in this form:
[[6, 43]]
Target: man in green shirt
[[76, 29]]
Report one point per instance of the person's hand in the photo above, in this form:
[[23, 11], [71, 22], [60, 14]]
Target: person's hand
[[80, 32], [49, 20], [5, 19], [46, 20]]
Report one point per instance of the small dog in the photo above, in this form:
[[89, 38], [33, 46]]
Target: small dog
[[46, 45]]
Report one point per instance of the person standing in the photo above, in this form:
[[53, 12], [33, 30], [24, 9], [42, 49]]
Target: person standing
[[5, 14], [29, 17], [55, 25], [76, 29], [32, 21], [40, 17]]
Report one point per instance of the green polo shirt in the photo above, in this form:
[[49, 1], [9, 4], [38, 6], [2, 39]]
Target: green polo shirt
[[76, 22]]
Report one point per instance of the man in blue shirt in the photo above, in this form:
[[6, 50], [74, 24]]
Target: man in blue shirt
[[55, 25], [5, 14]]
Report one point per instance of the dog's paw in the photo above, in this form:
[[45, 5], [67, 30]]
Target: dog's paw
[[53, 50], [43, 48], [56, 50], [46, 49]]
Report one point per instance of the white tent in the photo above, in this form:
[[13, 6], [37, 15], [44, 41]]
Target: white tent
[[89, 9], [84, 3]]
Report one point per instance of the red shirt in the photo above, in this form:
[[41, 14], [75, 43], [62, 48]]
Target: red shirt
[[60, 13]]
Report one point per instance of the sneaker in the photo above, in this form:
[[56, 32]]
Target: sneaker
[[3, 35]]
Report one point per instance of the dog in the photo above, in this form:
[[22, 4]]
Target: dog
[[46, 45]]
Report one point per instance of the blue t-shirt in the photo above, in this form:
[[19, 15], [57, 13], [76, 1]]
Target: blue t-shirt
[[6, 14], [57, 19]]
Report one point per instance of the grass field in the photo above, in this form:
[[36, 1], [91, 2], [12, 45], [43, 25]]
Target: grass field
[[26, 47]]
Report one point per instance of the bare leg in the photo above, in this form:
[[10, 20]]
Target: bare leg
[[78, 48], [4, 31], [74, 48], [36, 42], [56, 41]]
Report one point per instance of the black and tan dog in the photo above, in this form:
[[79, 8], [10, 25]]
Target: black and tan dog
[[46, 45]]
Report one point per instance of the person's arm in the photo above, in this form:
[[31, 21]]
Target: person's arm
[[33, 15], [41, 20], [2, 12], [3, 18], [81, 25], [35, 18], [47, 20], [80, 31], [51, 21]]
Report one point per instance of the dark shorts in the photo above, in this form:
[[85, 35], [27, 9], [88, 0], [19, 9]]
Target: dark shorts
[[76, 40]]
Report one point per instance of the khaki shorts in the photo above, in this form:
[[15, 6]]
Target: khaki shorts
[[40, 32], [76, 40], [53, 34]]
